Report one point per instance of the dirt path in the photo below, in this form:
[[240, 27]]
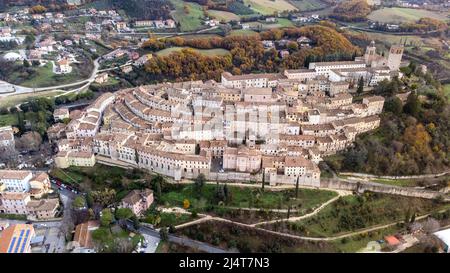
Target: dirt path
[[330, 238], [293, 219]]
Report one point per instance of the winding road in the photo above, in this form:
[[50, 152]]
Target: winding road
[[184, 241]]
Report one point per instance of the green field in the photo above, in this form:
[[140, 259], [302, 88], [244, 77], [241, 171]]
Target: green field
[[188, 21], [353, 212], [307, 5], [244, 197], [223, 15], [262, 25], [268, 7], [206, 52], [13, 100], [242, 32], [43, 76], [68, 176], [402, 15], [393, 39], [8, 119], [199, 36], [20, 217], [396, 182], [169, 219]]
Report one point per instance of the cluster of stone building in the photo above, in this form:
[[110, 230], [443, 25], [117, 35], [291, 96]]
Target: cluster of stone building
[[23, 192], [271, 127]]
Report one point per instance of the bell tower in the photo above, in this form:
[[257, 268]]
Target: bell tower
[[395, 57], [371, 53]]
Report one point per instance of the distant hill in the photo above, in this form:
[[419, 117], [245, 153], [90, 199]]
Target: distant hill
[[351, 10], [10, 3], [5, 4], [135, 9]]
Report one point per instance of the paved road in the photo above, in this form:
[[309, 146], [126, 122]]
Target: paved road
[[152, 242], [183, 241], [168, 33]]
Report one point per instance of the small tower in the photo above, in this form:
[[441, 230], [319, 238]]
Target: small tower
[[395, 57], [371, 53]]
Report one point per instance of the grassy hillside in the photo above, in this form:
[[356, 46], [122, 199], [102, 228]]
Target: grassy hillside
[[206, 52], [188, 15], [268, 7], [223, 15], [401, 15]]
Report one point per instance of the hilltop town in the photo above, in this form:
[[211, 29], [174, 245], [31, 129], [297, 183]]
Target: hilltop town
[[278, 125]]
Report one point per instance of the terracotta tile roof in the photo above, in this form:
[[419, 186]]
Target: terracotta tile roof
[[13, 174], [83, 233], [136, 195]]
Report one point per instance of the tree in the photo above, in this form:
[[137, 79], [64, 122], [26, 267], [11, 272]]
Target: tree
[[20, 122], [164, 234], [197, 149], [30, 141], [199, 183], [296, 186], [29, 39], [105, 197], [351, 10], [79, 202], [394, 105], [123, 245], [157, 182], [292, 46], [124, 213], [412, 105], [360, 88], [172, 229], [38, 9], [413, 217], [417, 137], [263, 181], [106, 218], [136, 223], [186, 204], [407, 216], [227, 194]]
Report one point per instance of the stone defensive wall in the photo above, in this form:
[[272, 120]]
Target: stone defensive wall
[[380, 188]]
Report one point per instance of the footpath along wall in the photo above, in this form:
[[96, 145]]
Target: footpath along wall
[[422, 176], [381, 188]]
